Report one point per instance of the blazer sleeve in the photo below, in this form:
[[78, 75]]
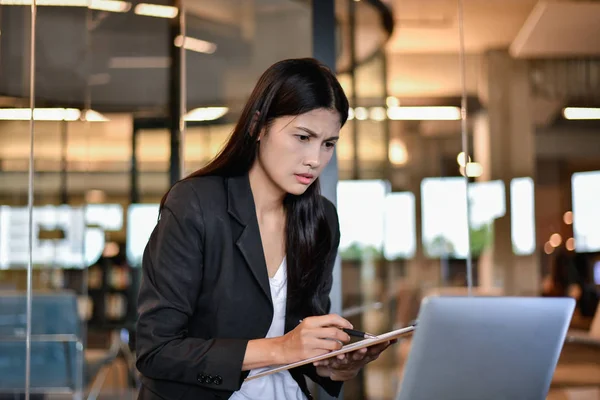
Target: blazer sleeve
[[171, 281], [333, 388]]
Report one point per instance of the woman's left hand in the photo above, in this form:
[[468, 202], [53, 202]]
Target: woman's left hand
[[346, 366]]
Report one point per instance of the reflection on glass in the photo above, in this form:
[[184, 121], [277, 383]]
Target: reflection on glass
[[52, 314], [107, 216], [141, 220], [488, 202], [522, 224], [444, 214], [586, 213], [400, 228], [361, 206], [59, 237]]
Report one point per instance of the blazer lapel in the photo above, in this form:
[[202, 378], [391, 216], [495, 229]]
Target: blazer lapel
[[241, 207]]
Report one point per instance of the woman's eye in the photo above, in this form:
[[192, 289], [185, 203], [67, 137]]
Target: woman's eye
[[329, 144], [303, 138]]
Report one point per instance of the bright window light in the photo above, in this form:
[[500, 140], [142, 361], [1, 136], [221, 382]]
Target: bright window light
[[101, 5], [424, 113], [362, 227], [40, 114], [581, 113], [206, 113], [400, 238], [49, 114], [522, 213], [444, 214], [586, 214], [197, 45], [141, 220], [155, 10], [110, 5]]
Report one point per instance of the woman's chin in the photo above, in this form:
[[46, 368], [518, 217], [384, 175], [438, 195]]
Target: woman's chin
[[297, 189]]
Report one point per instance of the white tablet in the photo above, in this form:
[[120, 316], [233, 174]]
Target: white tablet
[[346, 349]]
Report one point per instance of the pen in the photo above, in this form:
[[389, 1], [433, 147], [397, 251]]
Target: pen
[[359, 334]]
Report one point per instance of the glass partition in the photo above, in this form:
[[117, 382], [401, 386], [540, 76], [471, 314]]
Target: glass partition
[[416, 213], [128, 98], [13, 173], [243, 38], [531, 125]]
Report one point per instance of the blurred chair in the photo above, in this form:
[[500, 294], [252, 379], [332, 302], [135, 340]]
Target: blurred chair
[[579, 364], [591, 337], [57, 346], [406, 304]]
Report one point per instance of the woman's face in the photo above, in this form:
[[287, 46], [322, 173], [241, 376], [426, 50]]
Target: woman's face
[[294, 149]]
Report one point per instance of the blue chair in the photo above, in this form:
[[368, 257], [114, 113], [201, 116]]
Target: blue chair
[[58, 363]]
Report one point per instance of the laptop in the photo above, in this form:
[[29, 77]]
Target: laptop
[[492, 348]]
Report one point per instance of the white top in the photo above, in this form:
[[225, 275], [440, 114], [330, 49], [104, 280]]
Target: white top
[[280, 385]]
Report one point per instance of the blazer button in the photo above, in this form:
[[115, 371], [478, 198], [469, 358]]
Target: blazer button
[[217, 380]]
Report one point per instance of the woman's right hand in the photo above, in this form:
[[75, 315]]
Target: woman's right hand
[[313, 337]]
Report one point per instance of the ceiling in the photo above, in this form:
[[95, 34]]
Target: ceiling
[[431, 26], [560, 29], [423, 52], [125, 57]]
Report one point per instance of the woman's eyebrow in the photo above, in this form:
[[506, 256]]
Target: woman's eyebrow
[[314, 134]]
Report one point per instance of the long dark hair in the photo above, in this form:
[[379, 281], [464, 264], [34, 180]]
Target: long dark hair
[[287, 88]]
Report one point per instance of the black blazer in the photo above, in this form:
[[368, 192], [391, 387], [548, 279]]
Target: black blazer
[[205, 293]]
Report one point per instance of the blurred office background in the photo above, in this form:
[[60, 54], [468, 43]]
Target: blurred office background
[[130, 96]]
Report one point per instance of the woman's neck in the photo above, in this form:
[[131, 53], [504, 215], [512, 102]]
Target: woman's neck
[[268, 197]]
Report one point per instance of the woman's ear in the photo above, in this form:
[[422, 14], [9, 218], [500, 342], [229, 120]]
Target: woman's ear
[[253, 125], [262, 131]]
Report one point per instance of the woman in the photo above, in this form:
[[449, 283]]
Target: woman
[[237, 273]]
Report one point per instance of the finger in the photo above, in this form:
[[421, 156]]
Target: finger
[[343, 360], [320, 363], [338, 364], [316, 353], [328, 320], [327, 344], [341, 364], [359, 355], [331, 333]]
